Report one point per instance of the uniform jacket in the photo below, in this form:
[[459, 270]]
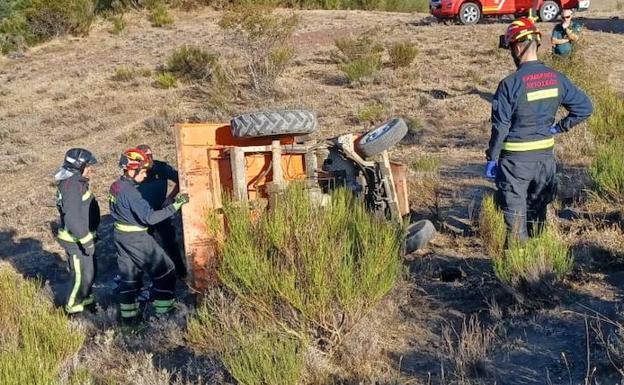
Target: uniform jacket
[[154, 188], [127, 206], [525, 105], [78, 208]]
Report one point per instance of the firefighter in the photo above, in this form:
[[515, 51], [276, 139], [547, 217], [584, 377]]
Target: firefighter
[[80, 217], [137, 251], [154, 190], [520, 156]]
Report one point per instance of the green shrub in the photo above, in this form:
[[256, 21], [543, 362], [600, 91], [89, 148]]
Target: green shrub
[[543, 258], [359, 58], [28, 22], [35, 337], [262, 37], [363, 47], [166, 80], [371, 113], [421, 6], [294, 275], [607, 169], [124, 74], [192, 62], [402, 54], [492, 227], [160, 16]]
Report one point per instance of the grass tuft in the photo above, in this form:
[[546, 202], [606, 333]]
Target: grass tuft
[[160, 16], [166, 80], [402, 54], [492, 227], [607, 169], [35, 337], [371, 113], [192, 62], [545, 257]]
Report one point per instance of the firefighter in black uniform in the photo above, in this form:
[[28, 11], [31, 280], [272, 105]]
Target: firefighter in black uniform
[[154, 190], [520, 155], [137, 251], [80, 217]]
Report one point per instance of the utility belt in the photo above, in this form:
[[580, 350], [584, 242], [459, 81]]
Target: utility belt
[[126, 228], [66, 236], [534, 145]]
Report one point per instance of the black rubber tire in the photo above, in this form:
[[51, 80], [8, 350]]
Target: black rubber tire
[[271, 123], [382, 137], [418, 235], [469, 13], [549, 11]]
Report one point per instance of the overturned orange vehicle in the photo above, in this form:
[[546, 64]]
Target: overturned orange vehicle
[[257, 154]]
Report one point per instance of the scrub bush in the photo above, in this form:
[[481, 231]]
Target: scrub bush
[[492, 227], [35, 337], [295, 275], [402, 54], [359, 58], [545, 257], [371, 113], [28, 22], [261, 36], [194, 63]]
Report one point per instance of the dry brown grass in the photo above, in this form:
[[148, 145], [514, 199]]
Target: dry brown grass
[[468, 349]]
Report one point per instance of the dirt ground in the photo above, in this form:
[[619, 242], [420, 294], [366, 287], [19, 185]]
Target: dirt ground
[[61, 95]]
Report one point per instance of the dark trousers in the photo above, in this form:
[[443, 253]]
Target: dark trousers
[[83, 270], [525, 188], [138, 253], [165, 234]]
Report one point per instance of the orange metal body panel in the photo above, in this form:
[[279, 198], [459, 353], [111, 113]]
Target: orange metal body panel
[[205, 174]]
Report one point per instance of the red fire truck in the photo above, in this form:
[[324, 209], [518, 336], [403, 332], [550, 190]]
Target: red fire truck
[[471, 11]]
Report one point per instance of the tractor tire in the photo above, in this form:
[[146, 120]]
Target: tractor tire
[[418, 235], [382, 138], [469, 13], [549, 11], [272, 123]]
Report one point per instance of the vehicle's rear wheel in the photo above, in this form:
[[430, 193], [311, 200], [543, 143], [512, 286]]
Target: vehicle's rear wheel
[[549, 11], [270, 123], [469, 13]]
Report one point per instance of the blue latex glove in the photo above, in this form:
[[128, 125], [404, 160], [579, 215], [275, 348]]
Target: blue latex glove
[[490, 169], [555, 129]]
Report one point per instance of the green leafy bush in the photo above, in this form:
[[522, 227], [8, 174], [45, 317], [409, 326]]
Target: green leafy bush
[[35, 337], [294, 275], [261, 35], [359, 58], [402, 54]]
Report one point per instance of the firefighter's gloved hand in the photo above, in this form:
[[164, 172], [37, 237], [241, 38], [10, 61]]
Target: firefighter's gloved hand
[[555, 129], [490, 169], [180, 200]]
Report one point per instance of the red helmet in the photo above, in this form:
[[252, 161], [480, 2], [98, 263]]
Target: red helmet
[[134, 159], [521, 29], [147, 150]]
